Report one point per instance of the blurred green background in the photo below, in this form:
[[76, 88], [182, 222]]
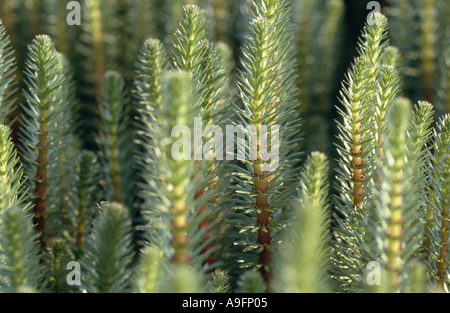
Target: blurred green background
[[325, 41]]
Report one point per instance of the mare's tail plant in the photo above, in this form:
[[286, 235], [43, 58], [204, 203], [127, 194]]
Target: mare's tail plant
[[306, 252], [267, 94], [10, 176], [41, 127], [20, 269], [168, 197], [115, 141], [354, 172], [394, 224], [109, 251], [130, 182], [198, 56]]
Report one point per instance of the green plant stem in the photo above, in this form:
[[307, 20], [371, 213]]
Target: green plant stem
[[41, 175], [428, 52], [180, 239], [34, 17], [220, 14], [356, 149], [442, 140], [386, 89], [263, 217], [400, 119], [443, 245], [179, 109], [97, 44], [395, 228], [81, 228], [304, 52], [115, 171], [4, 134]]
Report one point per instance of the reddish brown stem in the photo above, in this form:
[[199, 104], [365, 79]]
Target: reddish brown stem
[[263, 219], [41, 181], [428, 53], [357, 162], [200, 193], [97, 43]]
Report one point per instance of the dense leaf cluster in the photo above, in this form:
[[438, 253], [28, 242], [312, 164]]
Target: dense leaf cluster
[[154, 207]]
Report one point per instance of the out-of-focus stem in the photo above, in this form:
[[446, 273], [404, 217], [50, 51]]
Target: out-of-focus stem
[[41, 176], [428, 53], [97, 44]]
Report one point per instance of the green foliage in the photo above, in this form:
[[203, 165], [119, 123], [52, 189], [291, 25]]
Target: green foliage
[[116, 141], [317, 35], [396, 208], [11, 178], [102, 163], [18, 251], [218, 282], [42, 126], [305, 256], [147, 275], [86, 190], [438, 263], [152, 61], [108, 251], [7, 68], [182, 279], [56, 258], [189, 35], [169, 204], [251, 282], [266, 92]]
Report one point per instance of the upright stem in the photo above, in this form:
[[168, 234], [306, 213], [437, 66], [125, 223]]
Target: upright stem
[[115, 170], [62, 27], [191, 34], [7, 12], [428, 53], [399, 123], [4, 176], [97, 44], [303, 53], [3, 158], [395, 229], [261, 185], [441, 149], [205, 223], [80, 227], [357, 161], [41, 176], [180, 239], [386, 89], [263, 219], [220, 12], [34, 17], [178, 107]]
